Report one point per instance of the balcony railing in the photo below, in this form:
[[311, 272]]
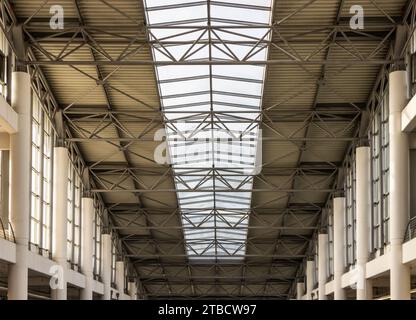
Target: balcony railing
[[6, 231], [410, 230]]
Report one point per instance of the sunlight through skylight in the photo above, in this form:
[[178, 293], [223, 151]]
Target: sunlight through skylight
[[212, 113]]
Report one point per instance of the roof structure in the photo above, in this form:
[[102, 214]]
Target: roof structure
[[291, 72]]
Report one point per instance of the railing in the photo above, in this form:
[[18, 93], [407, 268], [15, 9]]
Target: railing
[[6, 231], [97, 277], [410, 230], [34, 247], [74, 265]]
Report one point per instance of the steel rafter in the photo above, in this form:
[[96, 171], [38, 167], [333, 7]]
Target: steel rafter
[[133, 39]]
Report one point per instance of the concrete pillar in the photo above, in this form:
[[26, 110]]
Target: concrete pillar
[[60, 209], [300, 290], [363, 206], [87, 246], [309, 279], [322, 264], [120, 279], [369, 289], [399, 186], [5, 184], [132, 288], [106, 265], [20, 169], [339, 251]]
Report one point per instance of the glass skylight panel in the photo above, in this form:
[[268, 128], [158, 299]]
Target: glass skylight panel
[[212, 113]]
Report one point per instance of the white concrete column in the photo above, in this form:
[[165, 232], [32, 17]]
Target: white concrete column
[[60, 209], [300, 290], [339, 251], [5, 185], [20, 148], [363, 206], [120, 278], [87, 246], [399, 186], [322, 265], [106, 255], [132, 288], [309, 279]]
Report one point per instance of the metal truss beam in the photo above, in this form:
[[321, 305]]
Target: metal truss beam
[[41, 25], [216, 279], [197, 228], [277, 265], [126, 210], [282, 62], [141, 38], [112, 169], [135, 228], [144, 240], [218, 190], [214, 257], [141, 139], [378, 34], [327, 113]]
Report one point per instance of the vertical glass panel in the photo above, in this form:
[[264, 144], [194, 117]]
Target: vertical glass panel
[[380, 173], [41, 182]]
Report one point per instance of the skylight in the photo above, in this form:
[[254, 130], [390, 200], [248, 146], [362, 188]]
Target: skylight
[[212, 113]]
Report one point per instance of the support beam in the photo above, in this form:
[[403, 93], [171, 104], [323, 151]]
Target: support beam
[[281, 62], [339, 211], [146, 256], [322, 264], [187, 189], [20, 144], [309, 279], [132, 288], [399, 186], [300, 290], [5, 185], [363, 206], [149, 138], [60, 218], [120, 278], [106, 243], [87, 227]]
